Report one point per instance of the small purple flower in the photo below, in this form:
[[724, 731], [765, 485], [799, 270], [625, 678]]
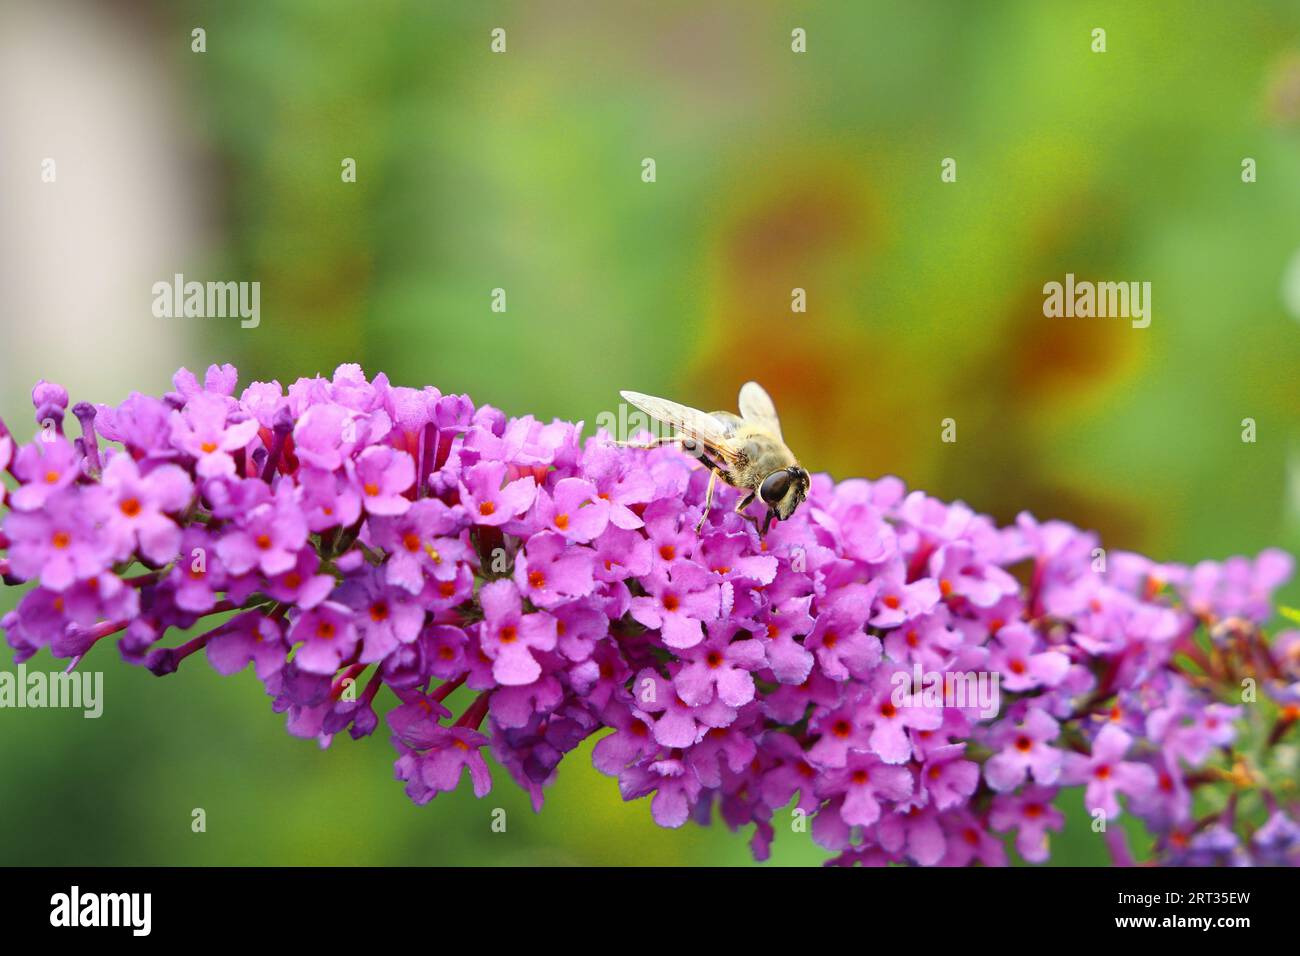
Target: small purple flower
[[682, 598], [892, 710], [1014, 656], [675, 789], [440, 767], [200, 430], [45, 467], [898, 602], [678, 724], [968, 839], [383, 475], [631, 740], [917, 834], [620, 554], [416, 721], [948, 781], [423, 543], [326, 435], [268, 538], [327, 635], [328, 499], [1106, 773], [138, 506], [842, 648], [1023, 750], [251, 636], [721, 667], [141, 423], [960, 573], [864, 781], [1031, 814], [489, 500], [549, 573], [301, 585], [61, 543], [510, 637], [384, 616], [573, 510]]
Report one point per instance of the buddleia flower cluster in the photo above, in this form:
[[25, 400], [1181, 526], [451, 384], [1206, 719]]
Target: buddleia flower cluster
[[899, 676]]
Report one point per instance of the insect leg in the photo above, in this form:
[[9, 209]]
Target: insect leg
[[714, 474], [744, 503], [652, 443]]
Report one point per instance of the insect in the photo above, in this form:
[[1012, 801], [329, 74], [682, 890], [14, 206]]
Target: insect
[[746, 451]]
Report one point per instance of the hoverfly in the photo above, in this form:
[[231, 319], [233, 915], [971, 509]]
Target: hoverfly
[[746, 451]]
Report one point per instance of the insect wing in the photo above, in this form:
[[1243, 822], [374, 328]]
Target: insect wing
[[691, 422], [757, 408]]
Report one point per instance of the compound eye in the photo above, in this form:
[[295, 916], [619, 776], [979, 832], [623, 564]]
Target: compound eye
[[775, 486]]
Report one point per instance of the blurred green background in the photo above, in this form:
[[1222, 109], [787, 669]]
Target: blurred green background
[[522, 171]]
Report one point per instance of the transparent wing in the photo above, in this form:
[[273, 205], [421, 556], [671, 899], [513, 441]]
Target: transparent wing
[[730, 421], [757, 408], [689, 421]]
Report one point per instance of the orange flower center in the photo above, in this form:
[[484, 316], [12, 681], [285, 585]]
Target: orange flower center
[[130, 507], [486, 508]]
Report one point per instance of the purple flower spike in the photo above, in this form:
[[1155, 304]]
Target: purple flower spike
[[922, 684]]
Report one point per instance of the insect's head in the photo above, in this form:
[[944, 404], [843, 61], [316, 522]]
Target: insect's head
[[784, 490]]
